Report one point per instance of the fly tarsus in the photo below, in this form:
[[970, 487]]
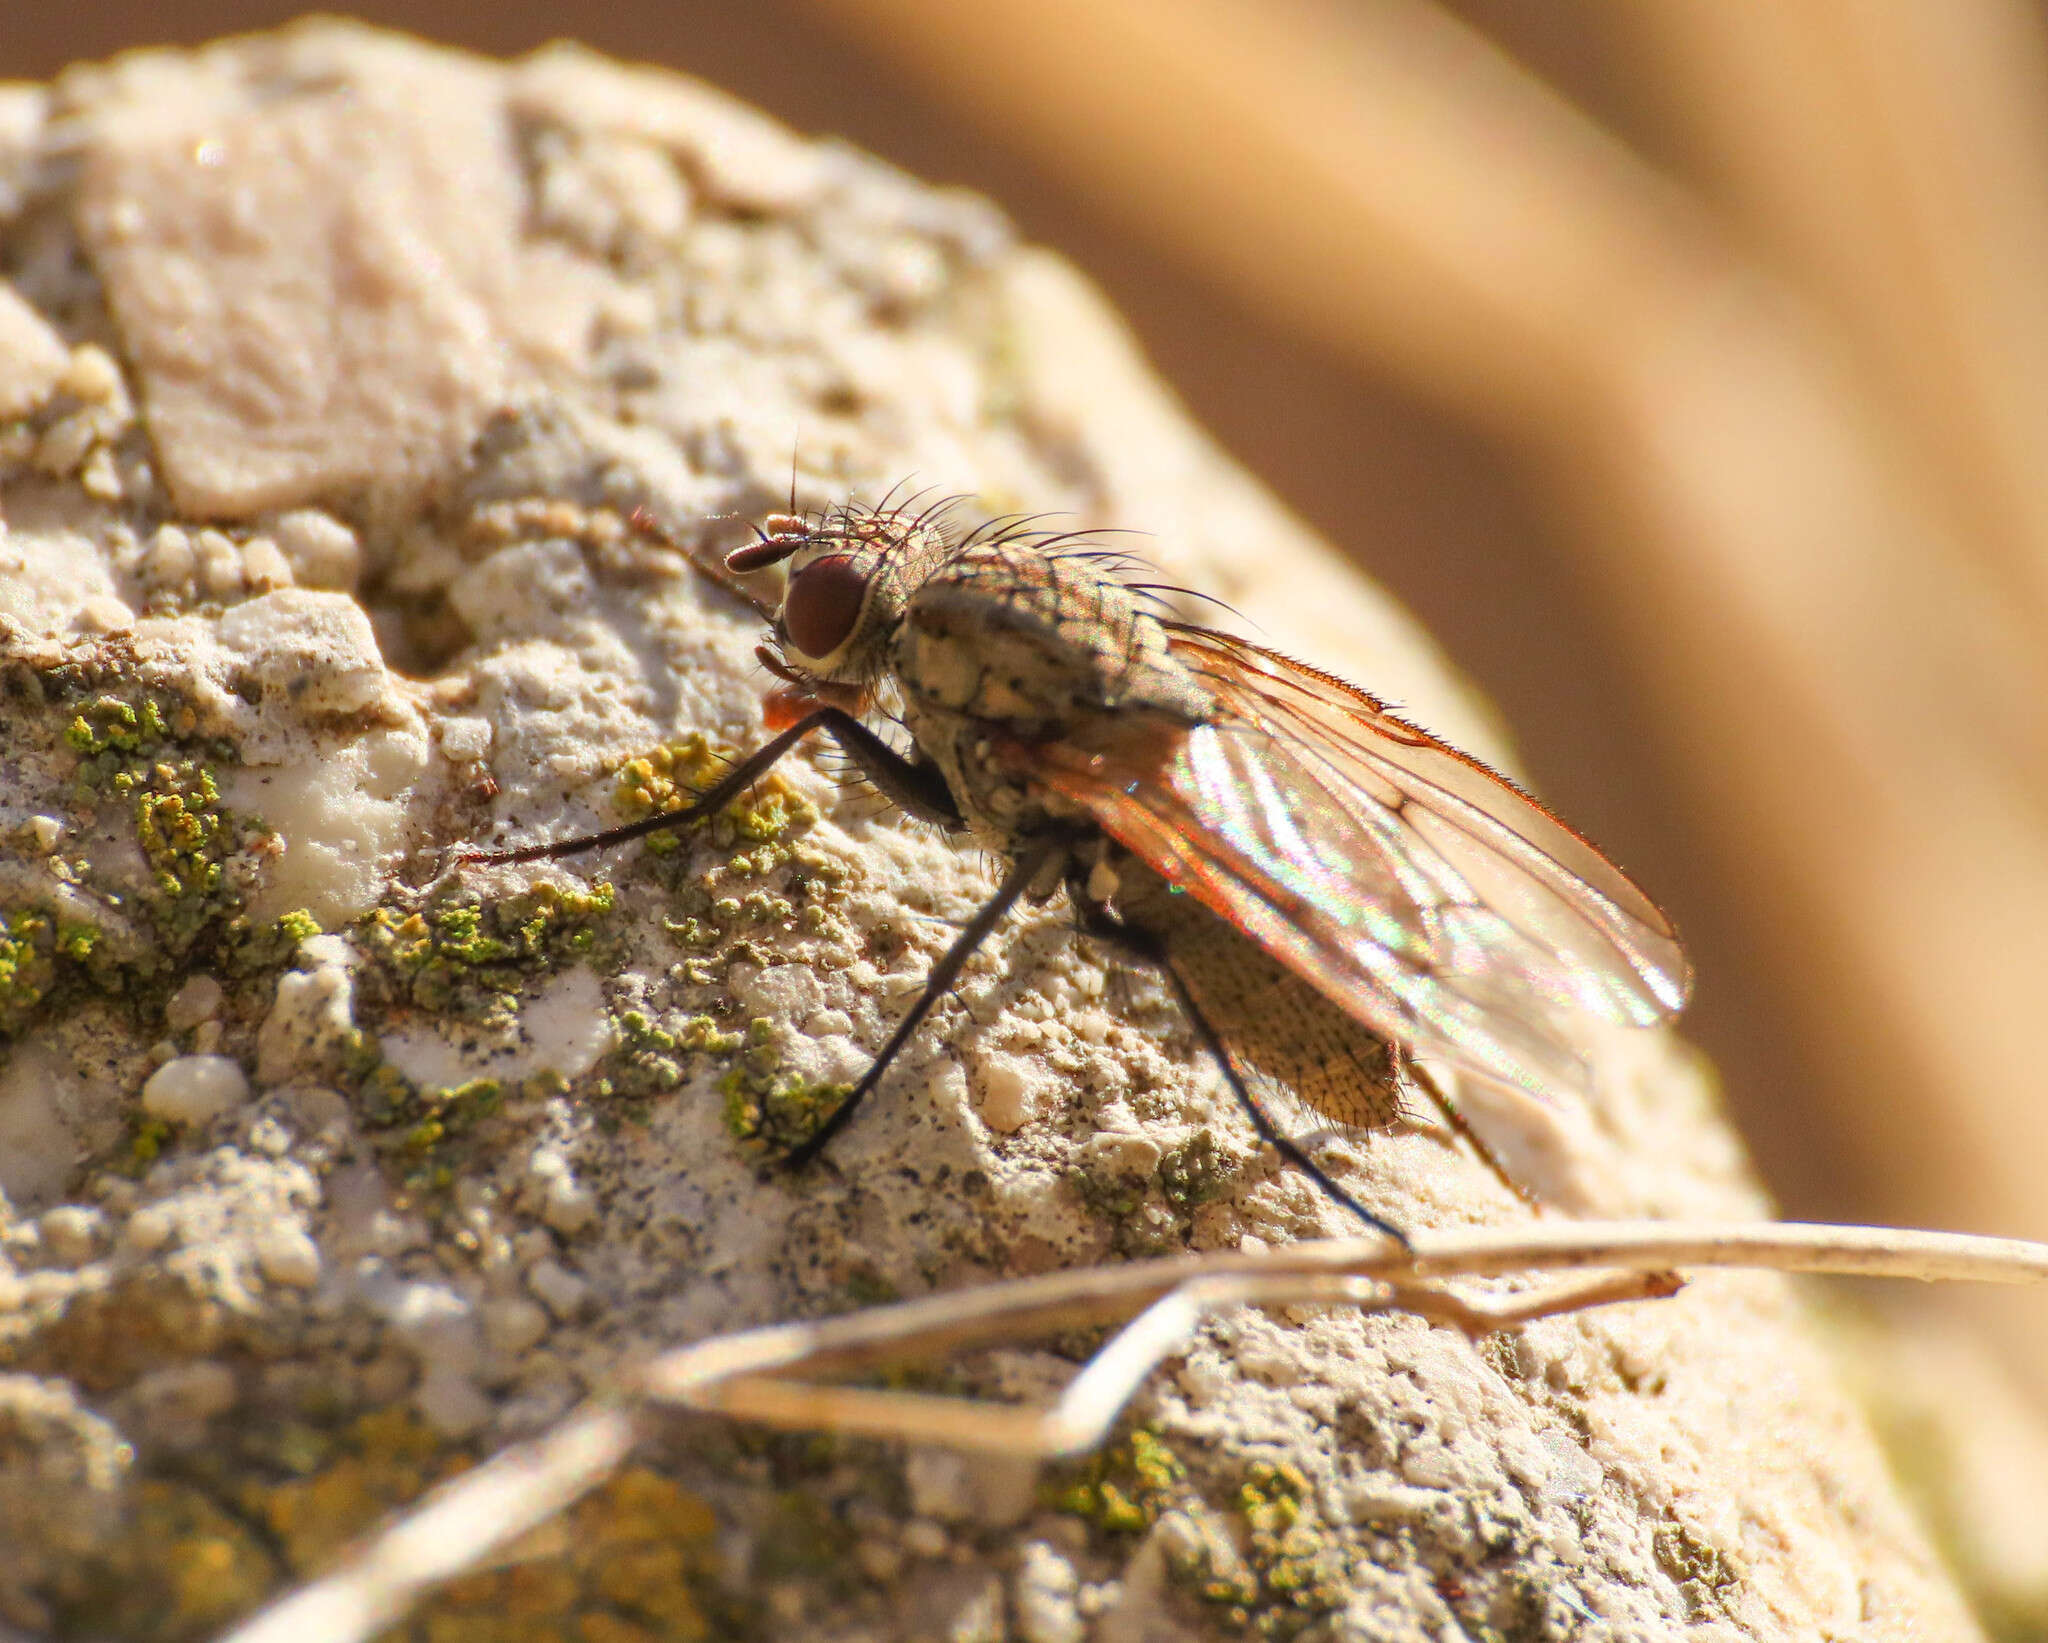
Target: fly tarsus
[[1285, 1145], [714, 798], [1145, 945], [1025, 870]]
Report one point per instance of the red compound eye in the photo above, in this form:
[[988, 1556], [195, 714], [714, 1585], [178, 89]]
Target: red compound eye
[[823, 603]]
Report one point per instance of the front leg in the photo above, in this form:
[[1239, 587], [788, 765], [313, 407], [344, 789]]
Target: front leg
[[913, 784]]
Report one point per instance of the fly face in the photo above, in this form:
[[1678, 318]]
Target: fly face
[[847, 583]]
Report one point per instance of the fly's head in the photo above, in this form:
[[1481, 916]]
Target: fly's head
[[851, 573]]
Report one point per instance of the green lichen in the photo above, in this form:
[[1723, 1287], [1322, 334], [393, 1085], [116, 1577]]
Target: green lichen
[[442, 1112], [113, 725], [1193, 1173], [250, 949], [28, 966], [720, 900], [148, 1135], [139, 758], [1276, 1571], [1301, 1570], [414, 1123], [1186, 1176], [781, 1116], [649, 1059], [191, 843], [180, 828], [424, 1127], [813, 870], [298, 925], [421, 1125], [764, 1109], [691, 932], [471, 958], [703, 1034]]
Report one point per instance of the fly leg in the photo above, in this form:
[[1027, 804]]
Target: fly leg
[[1152, 949], [917, 787], [914, 785], [1461, 1126], [1026, 870]]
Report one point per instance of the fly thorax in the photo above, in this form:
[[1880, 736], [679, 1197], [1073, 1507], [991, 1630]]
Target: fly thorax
[[1002, 644], [1035, 644]]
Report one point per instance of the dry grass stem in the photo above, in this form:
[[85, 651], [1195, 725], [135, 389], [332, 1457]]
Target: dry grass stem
[[744, 1375]]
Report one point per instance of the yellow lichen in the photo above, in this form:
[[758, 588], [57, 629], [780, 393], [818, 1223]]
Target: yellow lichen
[[630, 1562], [670, 777], [185, 1568], [385, 1459]]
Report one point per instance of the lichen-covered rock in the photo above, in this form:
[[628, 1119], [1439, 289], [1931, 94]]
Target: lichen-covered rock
[[366, 416]]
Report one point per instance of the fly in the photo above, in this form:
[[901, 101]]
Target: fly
[[1181, 784]]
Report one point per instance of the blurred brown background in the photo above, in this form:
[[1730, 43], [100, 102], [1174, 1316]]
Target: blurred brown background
[[1680, 365]]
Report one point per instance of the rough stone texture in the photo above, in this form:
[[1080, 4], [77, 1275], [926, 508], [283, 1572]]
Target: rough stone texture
[[336, 370]]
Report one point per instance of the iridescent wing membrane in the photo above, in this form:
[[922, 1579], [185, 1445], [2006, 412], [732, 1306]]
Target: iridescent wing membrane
[[1426, 896]]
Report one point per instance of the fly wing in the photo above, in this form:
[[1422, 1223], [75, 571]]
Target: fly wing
[[1612, 950], [1428, 897]]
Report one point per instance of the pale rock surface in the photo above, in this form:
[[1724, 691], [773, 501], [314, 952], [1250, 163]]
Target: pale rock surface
[[32, 356], [312, 1013], [359, 400], [195, 1089]]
